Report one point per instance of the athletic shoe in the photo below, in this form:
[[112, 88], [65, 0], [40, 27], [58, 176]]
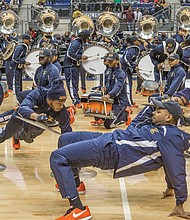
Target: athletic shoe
[[83, 90], [97, 122], [81, 189], [76, 214], [16, 143]]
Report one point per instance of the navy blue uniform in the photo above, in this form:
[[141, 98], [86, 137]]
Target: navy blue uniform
[[18, 59], [8, 71], [36, 101], [45, 75], [186, 59], [142, 147], [59, 67], [180, 39], [72, 68], [128, 64], [159, 55], [175, 80]]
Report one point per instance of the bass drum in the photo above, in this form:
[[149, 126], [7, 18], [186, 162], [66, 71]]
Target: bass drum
[[95, 63], [34, 60], [146, 68]]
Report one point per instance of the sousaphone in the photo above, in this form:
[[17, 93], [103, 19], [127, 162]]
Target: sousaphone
[[183, 18], [9, 22]]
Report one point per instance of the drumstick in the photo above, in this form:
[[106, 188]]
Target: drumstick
[[97, 55], [105, 109], [150, 71]]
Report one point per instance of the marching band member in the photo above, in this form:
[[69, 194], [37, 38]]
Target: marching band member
[[47, 41], [54, 60], [40, 105], [186, 55], [160, 53], [116, 89], [19, 61], [176, 76], [71, 64], [151, 141], [8, 71], [180, 36], [128, 63]]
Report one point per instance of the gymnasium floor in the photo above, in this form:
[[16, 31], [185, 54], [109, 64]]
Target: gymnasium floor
[[27, 188]]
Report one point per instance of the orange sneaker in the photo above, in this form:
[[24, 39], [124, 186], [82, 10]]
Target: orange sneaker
[[16, 143], [83, 90], [81, 189], [76, 214]]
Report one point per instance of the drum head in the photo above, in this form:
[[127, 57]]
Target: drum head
[[95, 63], [146, 68], [150, 85], [34, 60]]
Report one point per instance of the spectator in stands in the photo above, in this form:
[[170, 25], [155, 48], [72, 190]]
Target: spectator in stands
[[137, 16], [129, 16], [14, 4], [146, 12], [159, 12]]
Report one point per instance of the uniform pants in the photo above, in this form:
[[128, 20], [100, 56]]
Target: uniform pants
[[9, 74], [96, 150], [17, 81], [19, 129], [72, 81]]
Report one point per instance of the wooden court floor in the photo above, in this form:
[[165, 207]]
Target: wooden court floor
[[27, 188]]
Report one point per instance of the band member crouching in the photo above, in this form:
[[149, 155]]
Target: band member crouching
[[72, 65], [40, 105], [116, 89]]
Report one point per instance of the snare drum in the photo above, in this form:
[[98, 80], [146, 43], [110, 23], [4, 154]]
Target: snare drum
[[149, 87], [97, 108]]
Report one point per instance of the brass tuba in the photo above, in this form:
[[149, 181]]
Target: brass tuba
[[9, 22], [107, 24], [81, 23], [47, 20], [147, 27], [183, 17]]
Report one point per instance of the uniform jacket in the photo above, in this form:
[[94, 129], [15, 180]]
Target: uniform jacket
[[19, 55], [144, 147], [74, 53], [115, 83], [45, 75], [175, 80], [178, 38], [36, 101], [158, 54]]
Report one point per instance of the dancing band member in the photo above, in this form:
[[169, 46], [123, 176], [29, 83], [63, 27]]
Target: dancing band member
[[71, 64], [19, 61], [180, 36], [40, 105], [150, 142]]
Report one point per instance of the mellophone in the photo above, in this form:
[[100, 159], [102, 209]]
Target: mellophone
[[93, 105]]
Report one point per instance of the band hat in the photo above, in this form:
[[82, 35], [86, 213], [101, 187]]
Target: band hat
[[57, 90], [134, 38], [112, 56], [172, 107], [26, 37], [184, 95], [173, 56], [170, 44], [54, 52], [44, 53]]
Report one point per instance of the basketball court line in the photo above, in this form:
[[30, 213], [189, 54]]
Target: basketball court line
[[126, 209]]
